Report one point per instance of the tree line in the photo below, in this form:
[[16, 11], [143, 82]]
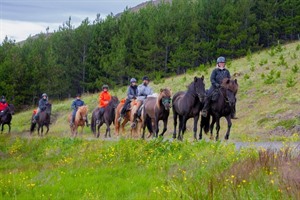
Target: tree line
[[158, 40]]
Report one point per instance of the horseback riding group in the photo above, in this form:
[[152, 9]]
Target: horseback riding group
[[144, 109]]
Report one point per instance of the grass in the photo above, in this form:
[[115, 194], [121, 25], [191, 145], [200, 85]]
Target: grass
[[64, 168]]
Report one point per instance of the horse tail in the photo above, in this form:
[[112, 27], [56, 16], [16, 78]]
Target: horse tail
[[32, 127], [205, 123], [93, 124], [148, 123]]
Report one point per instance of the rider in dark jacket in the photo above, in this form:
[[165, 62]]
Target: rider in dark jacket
[[75, 105], [43, 102], [132, 93], [217, 75]]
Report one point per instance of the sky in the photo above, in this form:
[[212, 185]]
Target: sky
[[20, 19]]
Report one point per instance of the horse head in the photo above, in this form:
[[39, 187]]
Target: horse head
[[11, 108], [48, 108], [165, 98], [198, 88], [81, 113], [114, 102], [231, 85]]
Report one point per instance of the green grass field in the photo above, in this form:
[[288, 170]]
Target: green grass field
[[59, 167]]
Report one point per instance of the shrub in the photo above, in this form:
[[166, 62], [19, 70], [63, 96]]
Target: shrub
[[298, 47], [278, 73], [295, 68], [282, 61], [294, 56], [272, 52], [263, 62], [246, 76], [249, 55], [291, 81], [287, 124], [252, 68]]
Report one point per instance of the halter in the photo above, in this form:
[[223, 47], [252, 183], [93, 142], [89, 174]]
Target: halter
[[166, 100]]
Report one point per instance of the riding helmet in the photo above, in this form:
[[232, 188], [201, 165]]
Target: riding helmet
[[132, 80], [146, 78], [104, 86], [44, 95], [221, 60]]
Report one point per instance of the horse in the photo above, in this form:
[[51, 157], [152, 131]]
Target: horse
[[188, 105], [107, 118], [80, 119], [43, 120], [156, 109], [222, 107], [128, 117], [7, 117]]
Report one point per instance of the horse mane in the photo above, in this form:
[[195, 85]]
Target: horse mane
[[81, 109], [163, 93], [231, 85]]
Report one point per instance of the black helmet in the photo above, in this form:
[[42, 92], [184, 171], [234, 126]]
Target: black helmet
[[3, 99], [104, 86], [44, 95], [221, 60], [146, 78]]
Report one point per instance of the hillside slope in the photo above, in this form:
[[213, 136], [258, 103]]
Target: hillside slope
[[268, 105]]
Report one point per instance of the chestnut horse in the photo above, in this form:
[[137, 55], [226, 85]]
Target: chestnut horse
[[156, 109], [80, 119], [43, 120], [222, 107], [128, 117]]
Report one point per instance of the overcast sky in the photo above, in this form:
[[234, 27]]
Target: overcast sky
[[22, 18]]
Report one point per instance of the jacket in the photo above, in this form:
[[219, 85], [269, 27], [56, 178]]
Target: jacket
[[104, 98], [43, 104], [218, 75], [77, 103], [132, 92], [144, 91], [3, 106]]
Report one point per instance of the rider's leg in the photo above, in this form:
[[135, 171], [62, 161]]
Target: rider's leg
[[73, 117], [101, 112], [36, 116], [124, 109], [137, 113]]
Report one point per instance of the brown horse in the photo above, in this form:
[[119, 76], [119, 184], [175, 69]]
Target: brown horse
[[43, 120], [6, 117], [156, 109], [80, 119], [107, 118], [128, 117], [188, 105], [222, 107]]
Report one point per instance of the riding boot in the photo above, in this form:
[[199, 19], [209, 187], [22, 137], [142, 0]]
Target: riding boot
[[101, 112]]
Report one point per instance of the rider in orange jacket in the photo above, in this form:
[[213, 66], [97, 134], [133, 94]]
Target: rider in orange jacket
[[104, 98]]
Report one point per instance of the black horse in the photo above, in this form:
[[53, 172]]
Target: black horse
[[43, 120], [188, 105], [6, 117], [107, 118], [222, 107]]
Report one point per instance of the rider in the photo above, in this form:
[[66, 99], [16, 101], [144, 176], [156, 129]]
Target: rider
[[217, 75], [143, 91], [3, 106], [132, 93], [75, 105], [42, 106], [104, 98]]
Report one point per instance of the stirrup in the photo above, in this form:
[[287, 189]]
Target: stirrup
[[133, 125], [120, 119], [204, 113]]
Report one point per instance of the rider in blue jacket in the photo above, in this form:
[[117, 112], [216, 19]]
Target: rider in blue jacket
[[75, 105]]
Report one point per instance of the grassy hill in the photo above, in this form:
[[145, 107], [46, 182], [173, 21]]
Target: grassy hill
[[60, 167], [268, 98]]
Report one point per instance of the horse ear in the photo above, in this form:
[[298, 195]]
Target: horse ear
[[202, 77], [235, 80], [195, 78]]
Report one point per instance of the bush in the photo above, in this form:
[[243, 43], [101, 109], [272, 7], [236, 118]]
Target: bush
[[291, 81], [263, 62], [295, 68], [282, 61], [246, 76], [252, 68], [298, 47]]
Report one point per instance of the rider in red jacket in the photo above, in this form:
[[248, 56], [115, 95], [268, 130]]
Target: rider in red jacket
[[3, 106]]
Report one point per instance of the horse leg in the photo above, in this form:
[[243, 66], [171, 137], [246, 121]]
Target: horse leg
[[217, 128], [196, 118], [180, 136], [212, 128], [165, 127], [9, 127], [175, 124], [2, 128], [47, 129], [229, 124], [98, 130]]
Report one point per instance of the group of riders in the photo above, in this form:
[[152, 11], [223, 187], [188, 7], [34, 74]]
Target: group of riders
[[138, 93]]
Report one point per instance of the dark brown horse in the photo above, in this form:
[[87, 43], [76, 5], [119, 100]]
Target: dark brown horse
[[43, 120], [222, 107], [188, 105], [6, 117], [156, 109], [107, 118]]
